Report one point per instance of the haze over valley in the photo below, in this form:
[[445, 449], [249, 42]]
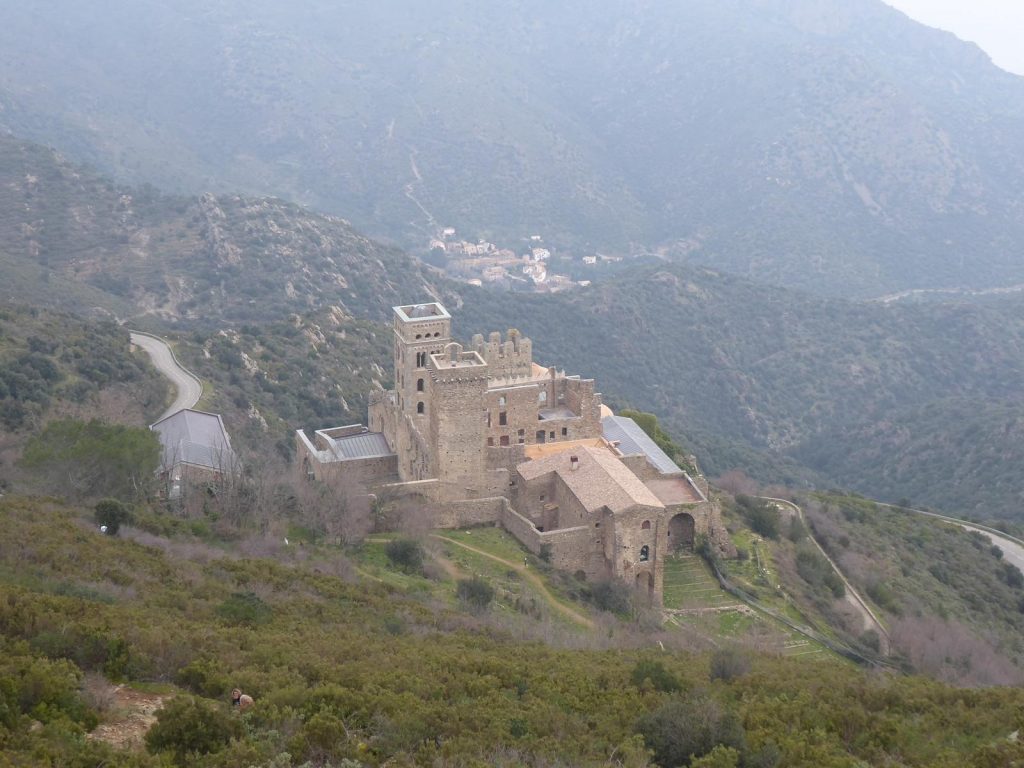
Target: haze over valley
[[426, 384]]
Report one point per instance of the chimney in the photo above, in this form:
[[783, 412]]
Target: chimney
[[574, 463]]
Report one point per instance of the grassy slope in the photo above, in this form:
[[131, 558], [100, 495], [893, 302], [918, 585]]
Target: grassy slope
[[411, 679]]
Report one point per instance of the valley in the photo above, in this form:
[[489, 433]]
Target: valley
[[408, 385]]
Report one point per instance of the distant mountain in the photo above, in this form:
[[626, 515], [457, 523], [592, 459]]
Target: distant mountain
[[833, 145], [923, 401], [71, 238]]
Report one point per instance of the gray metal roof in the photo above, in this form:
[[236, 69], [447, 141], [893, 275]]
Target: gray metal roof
[[366, 445], [631, 439], [195, 437]]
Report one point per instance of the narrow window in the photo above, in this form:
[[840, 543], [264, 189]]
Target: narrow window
[[502, 419], [501, 401], [490, 442], [565, 431], [419, 385], [551, 435], [543, 396], [645, 553], [420, 408]]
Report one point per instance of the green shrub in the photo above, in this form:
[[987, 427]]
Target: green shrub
[[246, 609], [729, 664], [406, 555], [611, 596], [475, 592], [188, 726], [654, 672], [112, 514], [89, 459], [689, 727]]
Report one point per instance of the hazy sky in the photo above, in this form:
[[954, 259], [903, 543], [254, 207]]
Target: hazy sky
[[995, 25]]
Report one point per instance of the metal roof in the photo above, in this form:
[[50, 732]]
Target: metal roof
[[195, 437], [366, 445], [630, 439]]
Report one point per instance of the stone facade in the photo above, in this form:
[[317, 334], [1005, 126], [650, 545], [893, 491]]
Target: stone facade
[[483, 434]]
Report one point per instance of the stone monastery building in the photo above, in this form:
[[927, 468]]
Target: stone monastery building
[[483, 434]]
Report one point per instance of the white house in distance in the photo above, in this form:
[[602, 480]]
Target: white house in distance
[[196, 450]]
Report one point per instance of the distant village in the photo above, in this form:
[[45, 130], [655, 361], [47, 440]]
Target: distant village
[[531, 267]]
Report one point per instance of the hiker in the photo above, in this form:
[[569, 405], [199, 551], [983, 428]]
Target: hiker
[[241, 700]]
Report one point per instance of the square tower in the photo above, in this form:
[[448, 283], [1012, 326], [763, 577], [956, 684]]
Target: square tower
[[421, 330]]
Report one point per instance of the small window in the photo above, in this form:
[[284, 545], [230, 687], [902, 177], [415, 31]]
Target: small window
[[597, 525], [502, 419], [488, 418], [551, 435], [541, 434], [501, 401], [504, 439], [419, 335], [421, 408], [565, 431], [543, 396], [646, 526], [542, 497], [645, 553], [490, 442], [438, 333], [419, 385]]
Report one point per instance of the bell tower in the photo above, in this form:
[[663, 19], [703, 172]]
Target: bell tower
[[421, 330]]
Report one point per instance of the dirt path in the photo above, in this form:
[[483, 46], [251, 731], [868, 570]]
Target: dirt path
[[852, 598], [132, 714], [530, 576]]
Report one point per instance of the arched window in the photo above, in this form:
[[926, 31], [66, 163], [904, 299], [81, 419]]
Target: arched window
[[501, 401], [420, 408], [645, 553], [647, 525], [436, 335], [419, 385], [419, 335], [543, 396]]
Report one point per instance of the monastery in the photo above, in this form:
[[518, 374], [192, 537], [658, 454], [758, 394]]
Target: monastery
[[483, 434]]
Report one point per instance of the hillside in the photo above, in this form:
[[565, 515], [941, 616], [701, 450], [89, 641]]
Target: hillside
[[311, 372], [71, 238], [952, 604], [737, 367], [831, 145], [348, 670], [55, 365]]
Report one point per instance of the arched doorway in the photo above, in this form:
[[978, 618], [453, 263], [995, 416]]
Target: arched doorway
[[680, 532]]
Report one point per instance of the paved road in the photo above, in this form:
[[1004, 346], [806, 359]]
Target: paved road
[[1013, 550], [188, 386]]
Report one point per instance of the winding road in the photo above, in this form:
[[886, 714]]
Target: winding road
[[188, 386], [1013, 548]]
